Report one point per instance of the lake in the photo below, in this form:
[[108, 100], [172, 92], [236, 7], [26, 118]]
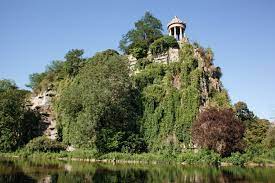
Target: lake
[[60, 171]]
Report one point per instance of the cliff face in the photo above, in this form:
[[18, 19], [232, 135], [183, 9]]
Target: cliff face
[[43, 104], [210, 79], [173, 92]]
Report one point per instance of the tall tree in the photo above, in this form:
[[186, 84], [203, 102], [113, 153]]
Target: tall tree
[[242, 111], [138, 40], [74, 61], [96, 109], [17, 123]]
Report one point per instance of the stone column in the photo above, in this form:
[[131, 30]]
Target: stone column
[[170, 32], [175, 33], [180, 33]]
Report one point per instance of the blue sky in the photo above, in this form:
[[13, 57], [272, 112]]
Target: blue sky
[[240, 32]]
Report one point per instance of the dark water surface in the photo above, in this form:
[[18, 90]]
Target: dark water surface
[[33, 171]]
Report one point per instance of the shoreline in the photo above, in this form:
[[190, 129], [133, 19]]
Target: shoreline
[[142, 162]]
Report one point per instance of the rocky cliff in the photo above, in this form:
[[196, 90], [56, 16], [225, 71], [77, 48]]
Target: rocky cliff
[[43, 104]]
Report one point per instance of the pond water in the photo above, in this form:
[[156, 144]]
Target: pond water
[[32, 171]]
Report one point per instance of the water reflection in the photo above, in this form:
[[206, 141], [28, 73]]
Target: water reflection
[[31, 171]]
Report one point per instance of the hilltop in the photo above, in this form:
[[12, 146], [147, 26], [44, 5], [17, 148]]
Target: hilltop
[[162, 95]]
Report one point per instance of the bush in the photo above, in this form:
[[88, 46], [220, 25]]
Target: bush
[[139, 50], [237, 159], [203, 156], [142, 63], [219, 130], [162, 45], [44, 144]]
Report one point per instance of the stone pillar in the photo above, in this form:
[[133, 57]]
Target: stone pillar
[[180, 33], [170, 32], [175, 33]]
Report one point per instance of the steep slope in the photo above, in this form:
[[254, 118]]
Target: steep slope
[[173, 94]]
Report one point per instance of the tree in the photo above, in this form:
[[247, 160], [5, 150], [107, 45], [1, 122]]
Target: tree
[[138, 40], [74, 62], [242, 111], [255, 132], [269, 141], [96, 110], [256, 129], [35, 80], [219, 130], [57, 70], [17, 123], [7, 84]]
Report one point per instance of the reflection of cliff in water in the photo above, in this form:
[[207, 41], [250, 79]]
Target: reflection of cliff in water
[[46, 172]]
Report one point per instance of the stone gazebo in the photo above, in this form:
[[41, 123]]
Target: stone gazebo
[[176, 28]]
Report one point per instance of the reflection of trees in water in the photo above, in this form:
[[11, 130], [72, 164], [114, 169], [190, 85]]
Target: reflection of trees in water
[[257, 174], [10, 173], [87, 172], [130, 175]]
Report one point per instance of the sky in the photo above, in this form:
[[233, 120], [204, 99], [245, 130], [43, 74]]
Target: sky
[[241, 33]]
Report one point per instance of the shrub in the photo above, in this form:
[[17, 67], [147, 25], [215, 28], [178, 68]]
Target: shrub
[[162, 45], [138, 50], [142, 63], [202, 156], [237, 159], [44, 144], [219, 130]]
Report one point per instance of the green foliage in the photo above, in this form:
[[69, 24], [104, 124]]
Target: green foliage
[[255, 132], [205, 157], [169, 110], [142, 63], [242, 111], [44, 144], [17, 124], [220, 99], [6, 84], [269, 140], [237, 159], [138, 50], [137, 40], [268, 156], [98, 106], [162, 45], [35, 81], [256, 129], [74, 62], [57, 71]]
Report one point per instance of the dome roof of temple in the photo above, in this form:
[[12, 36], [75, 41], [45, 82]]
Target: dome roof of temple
[[175, 20]]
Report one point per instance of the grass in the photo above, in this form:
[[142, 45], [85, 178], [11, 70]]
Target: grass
[[202, 157]]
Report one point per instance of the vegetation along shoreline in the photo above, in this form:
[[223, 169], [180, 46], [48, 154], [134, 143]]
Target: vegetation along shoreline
[[159, 100]]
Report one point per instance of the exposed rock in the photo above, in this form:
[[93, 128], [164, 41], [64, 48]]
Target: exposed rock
[[43, 104], [70, 148]]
